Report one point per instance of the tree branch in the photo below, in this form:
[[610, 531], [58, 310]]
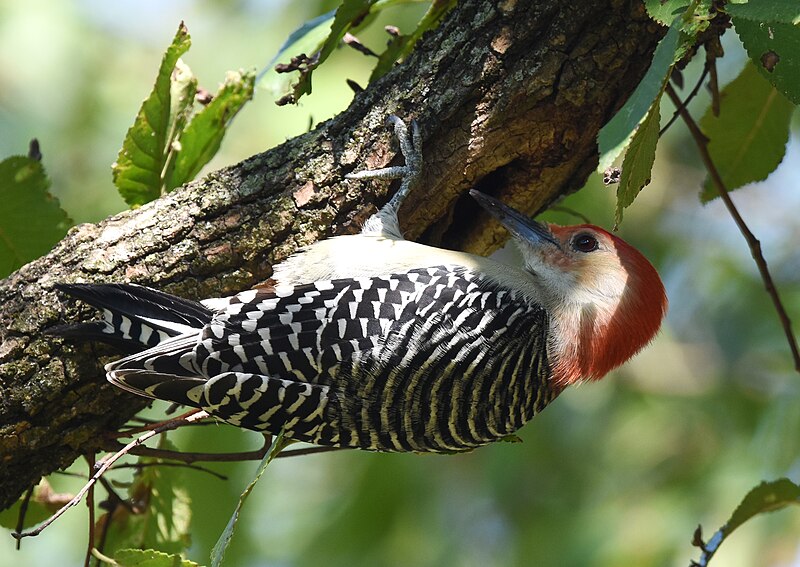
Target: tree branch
[[509, 95]]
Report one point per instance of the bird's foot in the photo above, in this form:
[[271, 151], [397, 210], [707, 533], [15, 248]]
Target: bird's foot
[[385, 220]]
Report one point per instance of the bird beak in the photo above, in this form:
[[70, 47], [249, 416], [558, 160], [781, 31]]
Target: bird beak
[[527, 230]]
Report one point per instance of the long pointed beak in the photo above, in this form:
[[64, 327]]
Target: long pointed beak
[[517, 224]]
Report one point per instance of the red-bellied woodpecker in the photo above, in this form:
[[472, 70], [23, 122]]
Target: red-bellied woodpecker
[[375, 342]]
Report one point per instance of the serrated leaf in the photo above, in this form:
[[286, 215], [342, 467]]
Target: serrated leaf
[[774, 49], [201, 139], [308, 38], [766, 497], [31, 219], [150, 558], [786, 11], [638, 162], [748, 139], [399, 47], [218, 552], [141, 161], [665, 11], [615, 136]]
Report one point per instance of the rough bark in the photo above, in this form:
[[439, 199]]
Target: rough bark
[[509, 95]]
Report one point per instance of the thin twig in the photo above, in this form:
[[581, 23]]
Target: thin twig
[[189, 458], [70, 473], [149, 424], [106, 527], [23, 510], [713, 86], [106, 462], [308, 451], [167, 464], [90, 504], [115, 498], [140, 419], [114, 501], [755, 246], [685, 103], [192, 457], [352, 41], [573, 212]]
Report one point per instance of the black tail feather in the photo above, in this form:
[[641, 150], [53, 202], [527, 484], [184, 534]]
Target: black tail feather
[[182, 390], [133, 314], [94, 331]]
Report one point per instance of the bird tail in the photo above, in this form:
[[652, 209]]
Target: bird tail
[[134, 316]]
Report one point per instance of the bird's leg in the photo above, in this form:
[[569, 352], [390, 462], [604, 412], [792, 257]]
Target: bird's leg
[[385, 220]]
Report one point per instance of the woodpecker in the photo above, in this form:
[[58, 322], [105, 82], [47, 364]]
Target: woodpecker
[[371, 341]]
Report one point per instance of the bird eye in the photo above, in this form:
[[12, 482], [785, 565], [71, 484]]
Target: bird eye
[[585, 243]]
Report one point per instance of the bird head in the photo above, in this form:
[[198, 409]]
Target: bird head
[[605, 300]]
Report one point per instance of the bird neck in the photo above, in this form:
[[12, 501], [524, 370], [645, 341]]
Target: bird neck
[[588, 341]]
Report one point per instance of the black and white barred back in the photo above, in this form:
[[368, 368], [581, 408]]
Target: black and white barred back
[[436, 359]]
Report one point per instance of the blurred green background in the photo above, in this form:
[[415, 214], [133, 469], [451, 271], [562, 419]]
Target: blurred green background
[[613, 473]]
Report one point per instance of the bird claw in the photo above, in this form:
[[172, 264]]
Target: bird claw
[[385, 220]]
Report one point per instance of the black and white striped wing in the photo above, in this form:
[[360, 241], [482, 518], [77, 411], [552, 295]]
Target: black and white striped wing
[[368, 362], [463, 365]]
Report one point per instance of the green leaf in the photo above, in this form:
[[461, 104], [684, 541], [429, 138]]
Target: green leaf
[[786, 11], [774, 49], [201, 139], [150, 558], [616, 135], [141, 161], [399, 47], [308, 38], [638, 162], [766, 497], [748, 139], [31, 219], [348, 14], [218, 552], [665, 11]]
